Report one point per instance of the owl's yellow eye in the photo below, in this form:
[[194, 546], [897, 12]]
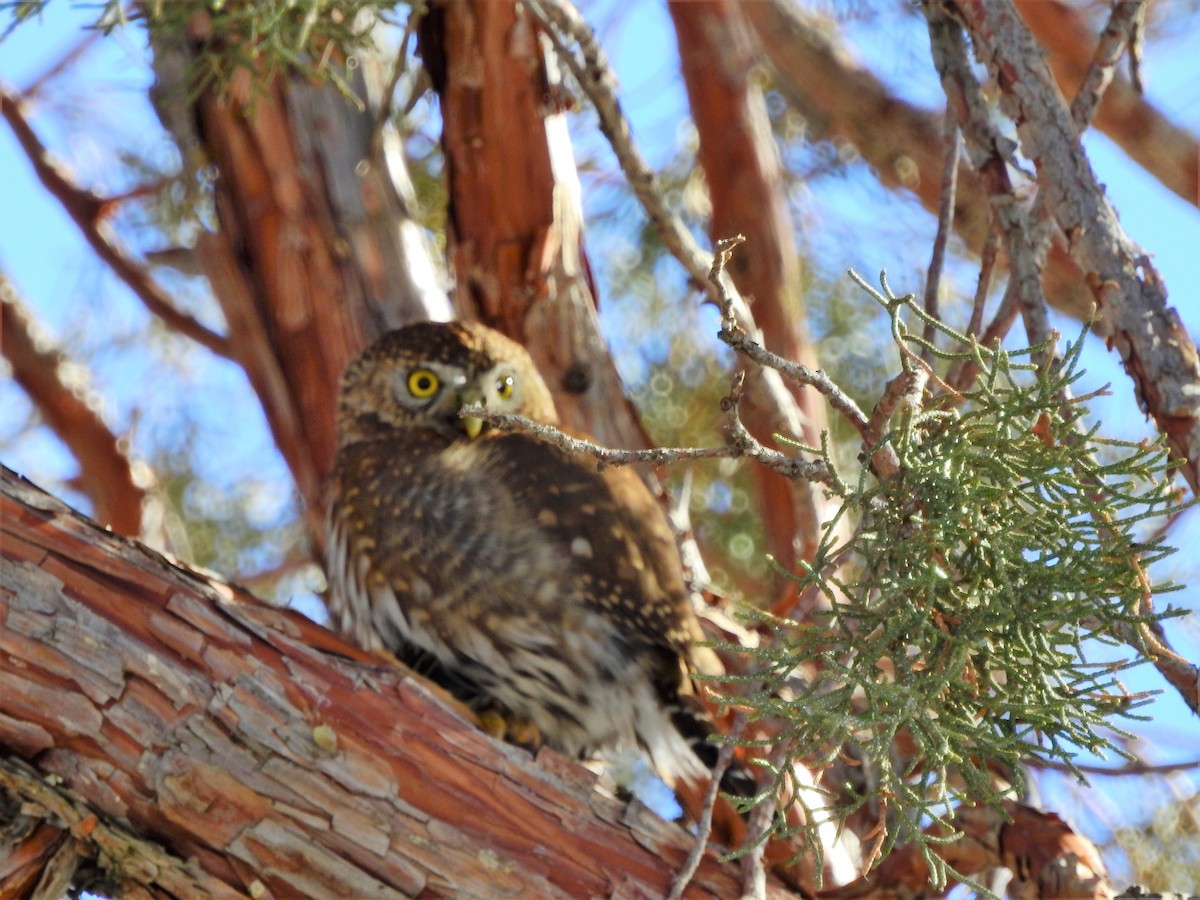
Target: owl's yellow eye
[[504, 387], [423, 383]]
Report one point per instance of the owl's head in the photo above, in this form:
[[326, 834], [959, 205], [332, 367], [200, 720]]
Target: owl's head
[[421, 375]]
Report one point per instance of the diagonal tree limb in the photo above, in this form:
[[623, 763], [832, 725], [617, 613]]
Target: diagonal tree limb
[[745, 184], [242, 738], [1133, 316], [1118, 34], [581, 53], [106, 473], [88, 211], [964, 94], [902, 143], [1164, 149]]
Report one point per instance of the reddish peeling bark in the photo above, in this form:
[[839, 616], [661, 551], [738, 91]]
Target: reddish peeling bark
[[515, 215], [1045, 856], [195, 741], [301, 327], [315, 253]]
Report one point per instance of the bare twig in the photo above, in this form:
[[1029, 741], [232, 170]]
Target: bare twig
[[1122, 29], [841, 98], [733, 334], [1025, 233], [398, 68], [565, 27], [88, 210], [754, 875], [987, 265], [905, 389], [1130, 768], [38, 83], [704, 825], [591, 69], [937, 259], [962, 374], [1137, 40], [742, 445], [107, 474]]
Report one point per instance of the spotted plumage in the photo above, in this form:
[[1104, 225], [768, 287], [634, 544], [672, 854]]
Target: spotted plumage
[[537, 585]]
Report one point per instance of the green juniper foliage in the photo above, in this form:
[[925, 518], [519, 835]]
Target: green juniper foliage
[[966, 610], [315, 38]]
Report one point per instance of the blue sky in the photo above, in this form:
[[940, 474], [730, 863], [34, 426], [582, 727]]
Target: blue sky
[[843, 222]]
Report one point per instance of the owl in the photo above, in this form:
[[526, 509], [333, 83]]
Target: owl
[[540, 588]]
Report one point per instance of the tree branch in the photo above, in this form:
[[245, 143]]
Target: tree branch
[[88, 210], [1047, 858], [517, 244], [1158, 354], [568, 30], [842, 98], [243, 738], [1162, 148], [106, 471], [1125, 19], [745, 184]]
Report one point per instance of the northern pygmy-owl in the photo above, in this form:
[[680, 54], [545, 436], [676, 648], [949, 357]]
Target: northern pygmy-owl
[[543, 588]]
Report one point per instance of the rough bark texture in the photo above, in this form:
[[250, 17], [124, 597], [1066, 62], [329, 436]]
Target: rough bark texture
[[1161, 147], [1044, 855], [515, 213], [1157, 352], [253, 753], [316, 254], [745, 185]]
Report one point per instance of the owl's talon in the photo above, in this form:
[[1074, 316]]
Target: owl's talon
[[493, 724], [512, 729], [525, 734]]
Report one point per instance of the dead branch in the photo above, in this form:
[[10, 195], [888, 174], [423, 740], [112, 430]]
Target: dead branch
[[742, 446], [745, 184], [945, 215], [568, 31]]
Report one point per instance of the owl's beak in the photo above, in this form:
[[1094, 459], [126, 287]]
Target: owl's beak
[[470, 424]]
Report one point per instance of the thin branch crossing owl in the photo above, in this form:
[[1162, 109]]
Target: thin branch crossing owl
[[541, 588]]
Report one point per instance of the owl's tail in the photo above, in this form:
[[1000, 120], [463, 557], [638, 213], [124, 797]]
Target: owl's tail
[[697, 728]]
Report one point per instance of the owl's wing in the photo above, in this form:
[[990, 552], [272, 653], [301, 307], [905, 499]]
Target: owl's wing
[[616, 533]]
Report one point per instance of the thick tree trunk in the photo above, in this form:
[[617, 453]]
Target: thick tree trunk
[[315, 255], [192, 739], [515, 216]]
